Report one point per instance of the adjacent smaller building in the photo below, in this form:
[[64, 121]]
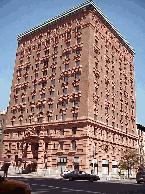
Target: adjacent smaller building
[[141, 143], [2, 127]]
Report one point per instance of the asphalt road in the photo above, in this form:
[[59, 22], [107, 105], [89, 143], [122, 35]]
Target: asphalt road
[[47, 185]]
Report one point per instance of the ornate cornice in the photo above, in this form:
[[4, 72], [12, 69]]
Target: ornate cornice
[[73, 10]]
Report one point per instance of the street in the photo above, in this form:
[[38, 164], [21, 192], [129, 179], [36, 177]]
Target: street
[[50, 185]]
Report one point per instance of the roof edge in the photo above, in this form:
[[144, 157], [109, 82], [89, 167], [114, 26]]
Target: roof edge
[[71, 11]]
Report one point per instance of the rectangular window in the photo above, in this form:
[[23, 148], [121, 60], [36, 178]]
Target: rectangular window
[[52, 94], [37, 65], [56, 117], [77, 76], [26, 79], [73, 145], [23, 100], [55, 59], [65, 91], [53, 82], [75, 116], [35, 87], [66, 78], [53, 70], [47, 52], [27, 69], [77, 63], [45, 63], [78, 52], [62, 132], [46, 146], [76, 88], [68, 44], [74, 130], [43, 84], [50, 106], [61, 145], [67, 55], [38, 55], [36, 75], [39, 45], [75, 102], [55, 49], [32, 109], [63, 117], [42, 96], [41, 108], [47, 42], [33, 98], [36, 146], [66, 67], [64, 104], [56, 39], [79, 29], [49, 118], [78, 40], [44, 73]]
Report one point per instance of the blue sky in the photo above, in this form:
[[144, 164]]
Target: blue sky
[[18, 16]]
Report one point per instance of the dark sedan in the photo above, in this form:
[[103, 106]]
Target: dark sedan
[[80, 175], [140, 176]]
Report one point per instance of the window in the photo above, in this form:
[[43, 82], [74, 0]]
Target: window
[[68, 44], [76, 88], [66, 78], [45, 63], [75, 116], [37, 65], [52, 94], [36, 75], [79, 29], [35, 87], [74, 130], [78, 40], [41, 108], [62, 132], [65, 91], [77, 76], [44, 73], [47, 52], [23, 100], [61, 145], [36, 146], [56, 117], [77, 63], [75, 102], [50, 106], [27, 69], [43, 84], [68, 34], [49, 118], [38, 55], [64, 104], [48, 131], [55, 59], [39, 46], [53, 70], [67, 55], [21, 62], [26, 79], [18, 81], [46, 146], [73, 145], [22, 111], [66, 67], [42, 96], [53, 82], [78, 52], [69, 24], [47, 42], [56, 39], [30, 50], [55, 49], [63, 117], [33, 98], [16, 101], [32, 109]]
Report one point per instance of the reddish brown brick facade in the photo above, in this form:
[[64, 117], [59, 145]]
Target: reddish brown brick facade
[[73, 94]]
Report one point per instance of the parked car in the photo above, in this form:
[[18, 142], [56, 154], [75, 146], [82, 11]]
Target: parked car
[[13, 186], [80, 175], [140, 176], [64, 172]]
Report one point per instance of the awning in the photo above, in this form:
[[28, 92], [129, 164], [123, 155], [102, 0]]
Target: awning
[[29, 160], [7, 160]]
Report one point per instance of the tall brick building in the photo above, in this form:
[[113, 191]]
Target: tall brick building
[[72, 102]]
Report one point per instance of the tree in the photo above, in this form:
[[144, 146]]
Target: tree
[[129, 158]]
